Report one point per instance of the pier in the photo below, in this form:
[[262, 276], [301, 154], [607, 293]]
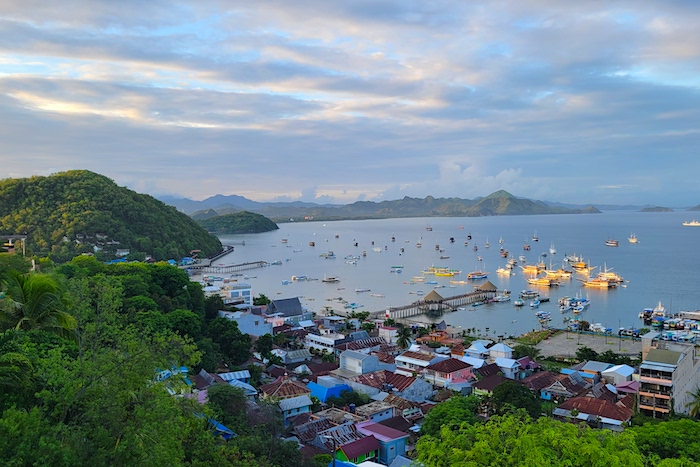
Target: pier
[[224, 268], [440, 306]]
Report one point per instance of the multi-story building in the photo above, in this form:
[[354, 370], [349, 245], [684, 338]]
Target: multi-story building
[[669, 373]]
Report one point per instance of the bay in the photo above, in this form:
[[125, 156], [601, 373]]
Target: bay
[[663, 266]]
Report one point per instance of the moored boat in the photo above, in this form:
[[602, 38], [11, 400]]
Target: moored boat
[[692, 223], [612, 242], [633, 238]]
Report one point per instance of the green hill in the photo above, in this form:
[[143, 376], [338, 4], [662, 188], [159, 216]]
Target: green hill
[[237, 223], [78, 211]]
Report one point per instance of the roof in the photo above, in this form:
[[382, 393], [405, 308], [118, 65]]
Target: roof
[[540, 380], [433, 296], [308, 431], [362, 344], [397, 423], [372, 408], [417, 356], [477, 347], [240, 375], [362, 446], [354, 354], [323, 393], [473, 361], [401, 461], [668, 357], [378, 378], [248, 390], [488, 286], [500, 347], [448, 365], [295, 402], [598, 407], [381, 432], [286, 306], [506, 363], [489, 383], [489, 370], [338, 415], [277, 371], [628, 387], [624, 370], [284, 388], [595, 367], [399, 402], [359, 335], [297, 354], [322, 368]]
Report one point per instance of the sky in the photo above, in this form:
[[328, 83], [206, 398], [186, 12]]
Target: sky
[[337, 101]]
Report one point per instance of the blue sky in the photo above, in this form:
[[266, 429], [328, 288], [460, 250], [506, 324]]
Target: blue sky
[[578, 102]]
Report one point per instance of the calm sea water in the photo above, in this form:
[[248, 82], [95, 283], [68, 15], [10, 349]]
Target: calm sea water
[[663, 266]]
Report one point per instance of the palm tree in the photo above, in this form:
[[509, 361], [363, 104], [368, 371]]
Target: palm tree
[[694, 404], [34, 301], [403, 337]]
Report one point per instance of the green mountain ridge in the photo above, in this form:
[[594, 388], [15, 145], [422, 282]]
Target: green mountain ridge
[[237, 223], [78, 211]]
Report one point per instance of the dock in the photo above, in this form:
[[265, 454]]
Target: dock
[[223, 268], [445, 304]]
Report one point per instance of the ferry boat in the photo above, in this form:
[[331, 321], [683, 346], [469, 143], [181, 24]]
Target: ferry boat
[[692, 223]]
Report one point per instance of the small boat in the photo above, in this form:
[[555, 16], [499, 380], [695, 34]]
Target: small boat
[[504, 271], [361, 290], [330, 279], [535, 238], [632, 238], [526, 247], [529, 294], [692, 223], [284, 240], [377, 295], [479, 258], [474, 275], [444, 257], [612, 242], [428, 228], [500, 240], [487, 244], [312, 244], [518, 302], [475, 248], [535, 303], [552, 250]]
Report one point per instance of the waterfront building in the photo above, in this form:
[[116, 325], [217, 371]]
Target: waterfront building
[[248, 322], [669, 373], [410, 362]]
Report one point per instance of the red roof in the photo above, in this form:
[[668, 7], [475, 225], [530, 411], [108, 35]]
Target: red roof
[[448, 365], [382, 431], [489, 383], [598, 407], [284, 388], [360, 447], [378, 378]]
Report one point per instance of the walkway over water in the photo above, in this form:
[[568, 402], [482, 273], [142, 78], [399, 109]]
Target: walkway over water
[[445, 304], [223, 268]]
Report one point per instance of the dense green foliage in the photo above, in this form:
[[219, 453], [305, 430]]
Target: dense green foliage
[[515, 440], [55, 211], [240, 222], [451, 414]]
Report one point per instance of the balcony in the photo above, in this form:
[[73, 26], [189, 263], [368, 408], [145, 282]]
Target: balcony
[[653, 409], [659, 393]]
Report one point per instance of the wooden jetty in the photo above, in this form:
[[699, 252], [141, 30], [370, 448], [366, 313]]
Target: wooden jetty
[[433, 305], [224, 268]]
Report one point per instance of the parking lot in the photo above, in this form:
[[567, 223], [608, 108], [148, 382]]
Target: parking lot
[[565, 344]]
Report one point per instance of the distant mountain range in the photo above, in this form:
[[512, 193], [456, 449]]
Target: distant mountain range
[[499, 203]]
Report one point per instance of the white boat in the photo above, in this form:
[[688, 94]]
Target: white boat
[[504, 271], [487, 244], [612, 242], [518, 302], [535, 238], [552, 250], [500, 240], [330, 279], [477, 275], [692, 223], [361, 290], [632, 238]]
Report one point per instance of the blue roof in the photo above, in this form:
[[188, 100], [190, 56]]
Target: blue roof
[[339, 463], [323, 393]]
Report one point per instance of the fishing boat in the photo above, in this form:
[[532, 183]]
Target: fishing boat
[[504, 271], [612, 242], [474, 275], [330, 279], [377, 295], [529, 294], [500, 240], [692, 223], [428, 228], [633, 238], [597, 283], [361, 290], [552, 250], [535, 238], [526, 247], [535, 303]]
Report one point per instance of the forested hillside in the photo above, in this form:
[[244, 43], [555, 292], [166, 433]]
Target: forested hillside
[[237, 223], [80, 211]]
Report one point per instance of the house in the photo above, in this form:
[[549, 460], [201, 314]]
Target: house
[[354, 363], [358, 451], [527, 367], [283, 388], [242, 375], [248, 323], [324, 391], [486, 386], [478, 349], [556, 386], [388, 333], [411, 363], [618, 374], [376, 411], [290, 357], [308, 431], [509, 367], [314, 370], [598, 413], [368, 345], [500, 350], [237, 292], [293, 406], [392, 442], [347, 444], [332, 324], [408, 387], [474, 362], [326, 342], [447, 371], [591, 370], [407, 409], [289, 310]]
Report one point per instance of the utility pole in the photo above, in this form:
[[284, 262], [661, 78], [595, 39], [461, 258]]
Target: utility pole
[[619, 347]]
